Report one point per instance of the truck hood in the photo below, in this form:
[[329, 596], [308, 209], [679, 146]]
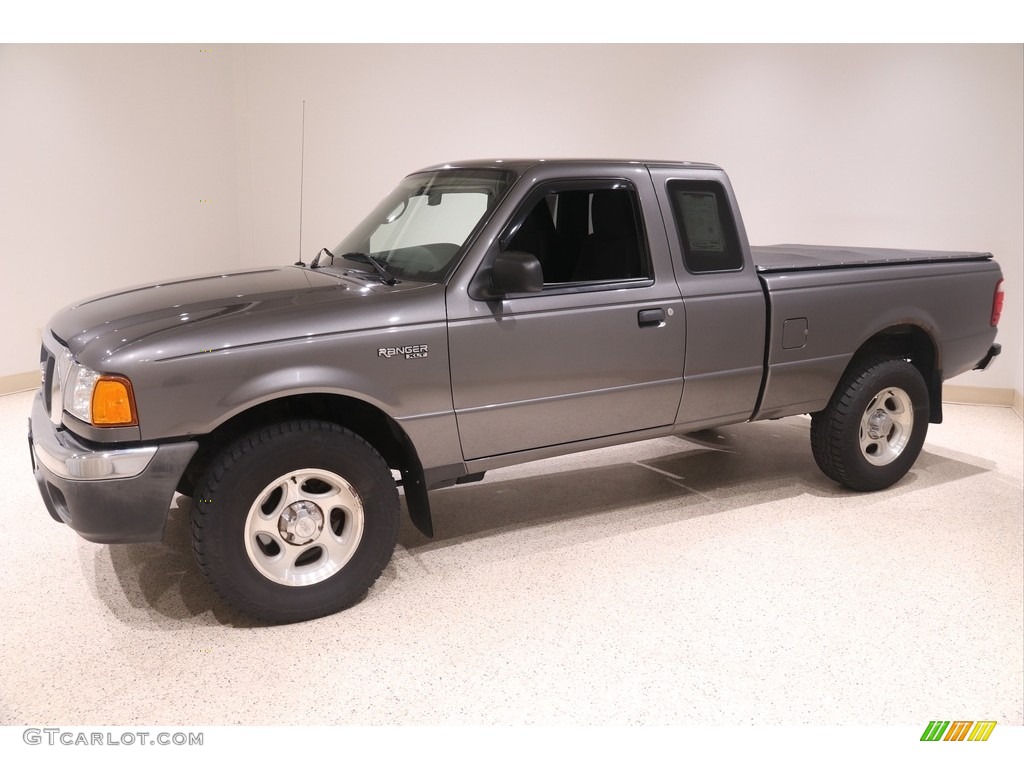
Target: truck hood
[[195, 314]]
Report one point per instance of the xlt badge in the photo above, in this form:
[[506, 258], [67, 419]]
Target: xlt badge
[[410, 351]]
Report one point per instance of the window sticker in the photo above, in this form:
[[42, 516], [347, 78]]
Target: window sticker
[[702, 222]]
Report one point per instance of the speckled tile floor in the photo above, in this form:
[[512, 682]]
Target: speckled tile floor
[[711, 580]]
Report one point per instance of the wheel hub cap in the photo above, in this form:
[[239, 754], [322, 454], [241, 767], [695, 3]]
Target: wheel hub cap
[[879, 424], [304, 527], [886, 426], [301, 522]]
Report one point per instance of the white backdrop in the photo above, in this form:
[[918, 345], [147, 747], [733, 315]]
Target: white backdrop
[[127, 164]]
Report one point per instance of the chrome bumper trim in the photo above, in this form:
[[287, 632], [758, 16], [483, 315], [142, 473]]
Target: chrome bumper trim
[[66, 458]]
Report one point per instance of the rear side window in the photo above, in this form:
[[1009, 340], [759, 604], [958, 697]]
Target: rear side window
[[706, 227]]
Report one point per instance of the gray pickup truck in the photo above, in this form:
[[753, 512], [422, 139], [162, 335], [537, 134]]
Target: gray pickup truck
[[485, 314]]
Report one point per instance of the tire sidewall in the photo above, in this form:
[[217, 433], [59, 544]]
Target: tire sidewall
[[248, 467], [861, 473]]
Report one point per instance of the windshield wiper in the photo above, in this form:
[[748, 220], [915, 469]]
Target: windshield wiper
[[386, 277], [315, 264]]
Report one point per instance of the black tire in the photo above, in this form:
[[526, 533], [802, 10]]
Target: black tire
[[295, 521], [871, 432]]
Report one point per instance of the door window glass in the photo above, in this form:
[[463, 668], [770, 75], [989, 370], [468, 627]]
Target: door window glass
[[584, 235]]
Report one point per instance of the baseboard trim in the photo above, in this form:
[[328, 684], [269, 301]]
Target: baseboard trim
[[952, 393], [18, 382], [1009, 398]]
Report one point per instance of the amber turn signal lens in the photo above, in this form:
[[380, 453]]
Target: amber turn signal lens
[[113, 403]]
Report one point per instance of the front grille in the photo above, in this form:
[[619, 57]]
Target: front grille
[[54, 367], [46, 372]]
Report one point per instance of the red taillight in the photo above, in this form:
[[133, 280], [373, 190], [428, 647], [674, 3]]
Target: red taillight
[[997, 304]]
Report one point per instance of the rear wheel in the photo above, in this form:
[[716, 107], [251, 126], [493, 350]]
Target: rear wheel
[[295, 521], [872, 430]]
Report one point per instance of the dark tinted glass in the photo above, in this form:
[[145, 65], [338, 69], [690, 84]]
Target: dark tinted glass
[[583, 234]]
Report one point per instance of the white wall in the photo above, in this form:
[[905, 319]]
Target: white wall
[[906, 146], [117, 166]]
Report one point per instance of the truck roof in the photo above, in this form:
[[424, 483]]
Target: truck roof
[[520, 165]]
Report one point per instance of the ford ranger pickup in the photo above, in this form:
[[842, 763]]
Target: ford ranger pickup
[[484, 314]]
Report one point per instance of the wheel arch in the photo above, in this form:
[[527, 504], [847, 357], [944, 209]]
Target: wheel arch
[[913, 343], [364, 419]]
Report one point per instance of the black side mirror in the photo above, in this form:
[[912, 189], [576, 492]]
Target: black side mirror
[[516, 272]]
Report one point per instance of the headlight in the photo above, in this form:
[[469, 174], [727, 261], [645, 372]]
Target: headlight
[[100, 399]]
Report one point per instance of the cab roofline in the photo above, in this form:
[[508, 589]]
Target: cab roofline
[[520, 165]]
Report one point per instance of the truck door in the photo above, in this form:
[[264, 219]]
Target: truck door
[[599, 351], [725, 304]]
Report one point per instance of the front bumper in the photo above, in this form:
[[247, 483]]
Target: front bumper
[[107, 495]]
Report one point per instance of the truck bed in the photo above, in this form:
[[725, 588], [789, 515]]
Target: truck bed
[[788, 258]]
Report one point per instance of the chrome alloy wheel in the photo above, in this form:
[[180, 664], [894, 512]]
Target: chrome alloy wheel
[[886, 426], [304, 527]]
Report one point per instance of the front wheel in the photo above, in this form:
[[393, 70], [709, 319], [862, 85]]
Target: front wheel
[[873, 428], [295, 521]]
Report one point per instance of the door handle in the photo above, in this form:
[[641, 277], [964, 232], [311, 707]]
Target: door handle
[[651, 318]]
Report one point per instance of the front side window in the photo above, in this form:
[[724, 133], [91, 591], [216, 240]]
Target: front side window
[[418, 230], [583, 234]]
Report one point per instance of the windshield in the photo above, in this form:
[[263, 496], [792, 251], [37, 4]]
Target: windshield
[[418, 230]]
